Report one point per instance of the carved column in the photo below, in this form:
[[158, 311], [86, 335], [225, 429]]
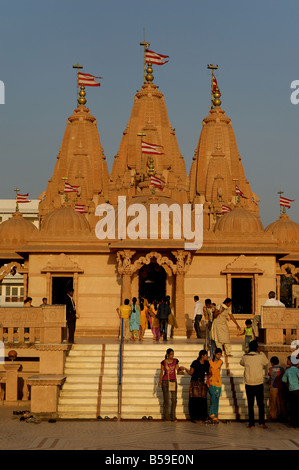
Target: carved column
[[183, 260], [124, 268]]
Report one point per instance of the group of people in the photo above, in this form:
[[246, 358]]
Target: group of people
[[136, 317], [216, 321], [206, 379]]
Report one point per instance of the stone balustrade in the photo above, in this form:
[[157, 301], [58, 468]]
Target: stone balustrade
[[41, 329], [43, 325], [281, 325]]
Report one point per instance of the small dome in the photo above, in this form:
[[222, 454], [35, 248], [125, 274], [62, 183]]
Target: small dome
[[65, 222], [284, 229], [239, 221], [16, 230]]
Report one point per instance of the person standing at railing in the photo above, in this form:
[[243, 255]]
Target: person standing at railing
[[124, 315]]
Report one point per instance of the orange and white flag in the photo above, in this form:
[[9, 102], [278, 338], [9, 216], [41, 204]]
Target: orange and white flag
[[285, 202], [87, 80], [151, 149], [156, 59], [68, 188], [22, 198]]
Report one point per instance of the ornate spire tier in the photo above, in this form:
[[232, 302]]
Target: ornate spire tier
[[217, 170], [81, 162], [149, 122]]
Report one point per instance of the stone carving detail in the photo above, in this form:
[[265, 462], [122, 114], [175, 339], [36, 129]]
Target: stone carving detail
[[183, 261], [163, 261], [289, 270], [123, 258], [12, 268], [61, 263], [243, 264]]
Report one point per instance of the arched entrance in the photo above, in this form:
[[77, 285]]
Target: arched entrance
[[152, 282]]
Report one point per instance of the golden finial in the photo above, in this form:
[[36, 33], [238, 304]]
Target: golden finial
[[149, 75], [82, 94], [217, 94], [77, 67], [17, 205], [146, 46]]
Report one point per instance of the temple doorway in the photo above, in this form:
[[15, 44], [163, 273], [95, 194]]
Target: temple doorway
[[242, 295], [152, 282], [60, 286]]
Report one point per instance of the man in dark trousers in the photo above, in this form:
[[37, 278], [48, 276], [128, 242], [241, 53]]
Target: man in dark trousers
[[254, 363], [163, 312], [71, 315]]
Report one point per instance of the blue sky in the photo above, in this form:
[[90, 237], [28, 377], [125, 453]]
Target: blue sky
[[255, 45]]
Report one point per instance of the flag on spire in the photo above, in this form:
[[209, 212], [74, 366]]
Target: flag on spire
[[214, 85], [155, 181], [151, 149], [86, 79], [154, 58], [225, 209], [70, 189], [80, 208], [240, 193], [22, 198], [285, 202]]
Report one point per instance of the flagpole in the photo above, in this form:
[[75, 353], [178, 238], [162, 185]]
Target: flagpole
[[145, 45], [282, 209], [77, 67], [141, 170], [17, 205], [64, 178], [237, 197], [212, 67]]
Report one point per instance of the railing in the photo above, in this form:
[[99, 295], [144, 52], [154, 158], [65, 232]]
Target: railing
[[121, 347], [42, 325]]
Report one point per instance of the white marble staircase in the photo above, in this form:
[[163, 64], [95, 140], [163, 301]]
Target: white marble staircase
[[91, 387]]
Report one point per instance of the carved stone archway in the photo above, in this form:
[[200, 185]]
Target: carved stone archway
[[126, 268]]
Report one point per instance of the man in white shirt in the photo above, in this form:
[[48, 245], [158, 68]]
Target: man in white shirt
[[197, 316], [270, 302]]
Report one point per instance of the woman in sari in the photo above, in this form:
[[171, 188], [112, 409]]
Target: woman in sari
[[220, 331], [134, 320], [155, 320], [143, 319], [198, 403]]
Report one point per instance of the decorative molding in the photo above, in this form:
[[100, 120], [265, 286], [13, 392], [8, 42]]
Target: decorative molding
[[163, 261], [62, 264], [242, 265]]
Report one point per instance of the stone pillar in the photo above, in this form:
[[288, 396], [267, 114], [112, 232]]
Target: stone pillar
[[11, 394], [124, 267], [180, 300], [45, 392], [183, 260]]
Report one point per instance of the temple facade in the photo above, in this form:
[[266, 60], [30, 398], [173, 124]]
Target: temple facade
[[239, 258]]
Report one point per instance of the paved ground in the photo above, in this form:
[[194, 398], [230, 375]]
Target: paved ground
[[138, 436]]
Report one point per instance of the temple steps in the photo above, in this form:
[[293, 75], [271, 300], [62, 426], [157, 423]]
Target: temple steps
[[91, 388]]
